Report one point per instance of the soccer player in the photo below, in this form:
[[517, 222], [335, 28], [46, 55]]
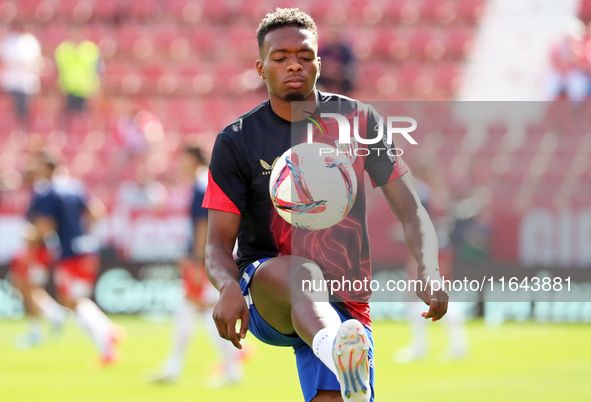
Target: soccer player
[[29, 271], [200, 295], [332, 339], [62, 205]]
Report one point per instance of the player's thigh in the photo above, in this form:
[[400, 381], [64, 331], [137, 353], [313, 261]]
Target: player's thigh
[[273, 288], [328, 396], [75, 278]]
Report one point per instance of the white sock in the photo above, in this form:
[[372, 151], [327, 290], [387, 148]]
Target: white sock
[[95, 322], [455, 319], [34, 328], [54, 312], [183, 330], [418, 325], [230, 355], [322, 346]]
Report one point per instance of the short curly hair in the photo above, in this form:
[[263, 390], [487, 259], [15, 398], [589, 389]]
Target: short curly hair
[[285, 17]]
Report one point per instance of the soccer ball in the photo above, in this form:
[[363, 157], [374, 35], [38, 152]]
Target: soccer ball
[[312, 187]]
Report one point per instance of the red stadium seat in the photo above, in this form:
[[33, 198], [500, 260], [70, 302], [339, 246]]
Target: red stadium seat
[[455, 132], [105, 9], [242, 42], [458, 42], [133, 40], [547, 190], [320, 10], [493, 143], [391, 43], [407, 76], [168, 40], [53, 35], [447, 78], [252, 11], [401, 11], [425, 43], [369, 74], [73, 10], [97, 32], [204, 39], [27, 9], [226, 76], [121, 77], [362, 11], [218, 10], [503, 191], [470, 11], [435, 11], [142, 9], [159, 78]]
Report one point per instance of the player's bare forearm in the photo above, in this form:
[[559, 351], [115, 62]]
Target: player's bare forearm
[[220, 266], [223, 274], [39, 229], [95, 211], [421, 241], [219, 263]]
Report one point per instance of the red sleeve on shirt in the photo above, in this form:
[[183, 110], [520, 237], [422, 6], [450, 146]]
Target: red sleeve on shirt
[[216, 199], [399, 169]]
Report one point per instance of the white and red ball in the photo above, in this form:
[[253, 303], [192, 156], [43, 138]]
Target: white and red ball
[[312, 187]]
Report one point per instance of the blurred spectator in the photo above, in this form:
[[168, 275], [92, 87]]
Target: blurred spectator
[[338, 64], [470, 198], [569, 77], [79, 65], [137, 130], [21, 58], [143, 192]]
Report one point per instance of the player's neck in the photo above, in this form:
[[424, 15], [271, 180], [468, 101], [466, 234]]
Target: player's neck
[[283, 109]]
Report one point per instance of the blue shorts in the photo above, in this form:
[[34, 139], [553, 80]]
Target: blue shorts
[[313, 374]]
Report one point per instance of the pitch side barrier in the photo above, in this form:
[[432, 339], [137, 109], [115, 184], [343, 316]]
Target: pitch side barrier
[[155, 289]]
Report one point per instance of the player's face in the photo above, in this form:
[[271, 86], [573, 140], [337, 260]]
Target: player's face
[[290, 64]]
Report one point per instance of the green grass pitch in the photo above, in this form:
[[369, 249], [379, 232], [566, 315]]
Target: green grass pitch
[[517, 361]]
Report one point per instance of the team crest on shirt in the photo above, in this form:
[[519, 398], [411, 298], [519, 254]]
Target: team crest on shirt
[[348, 149], [267, 169]]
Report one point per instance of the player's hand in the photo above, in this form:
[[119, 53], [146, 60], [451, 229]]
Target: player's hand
[[230, 308], [432, 293]]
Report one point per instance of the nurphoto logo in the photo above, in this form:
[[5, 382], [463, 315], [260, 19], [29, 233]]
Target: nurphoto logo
[[347, 144]]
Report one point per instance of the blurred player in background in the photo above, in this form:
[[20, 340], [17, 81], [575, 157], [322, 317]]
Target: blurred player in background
[[29, 271], [338, 63], [569, 75], [62, 205], [332, 341], [20, 54], [200, 295], [424, 180]]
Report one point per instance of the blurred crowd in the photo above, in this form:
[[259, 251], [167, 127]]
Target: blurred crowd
[[570, 75]]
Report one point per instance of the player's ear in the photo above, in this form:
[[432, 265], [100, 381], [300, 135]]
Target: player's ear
[[259, 67]]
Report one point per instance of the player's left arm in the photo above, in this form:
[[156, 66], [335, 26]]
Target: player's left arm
[[40, 227], [95, 210], [200, 240], [421, 241]]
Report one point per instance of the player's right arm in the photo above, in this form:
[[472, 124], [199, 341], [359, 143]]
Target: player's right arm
[[223, 274], [95, 210]]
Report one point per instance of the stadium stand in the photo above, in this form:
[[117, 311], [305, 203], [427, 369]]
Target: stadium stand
[[191, 63]]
